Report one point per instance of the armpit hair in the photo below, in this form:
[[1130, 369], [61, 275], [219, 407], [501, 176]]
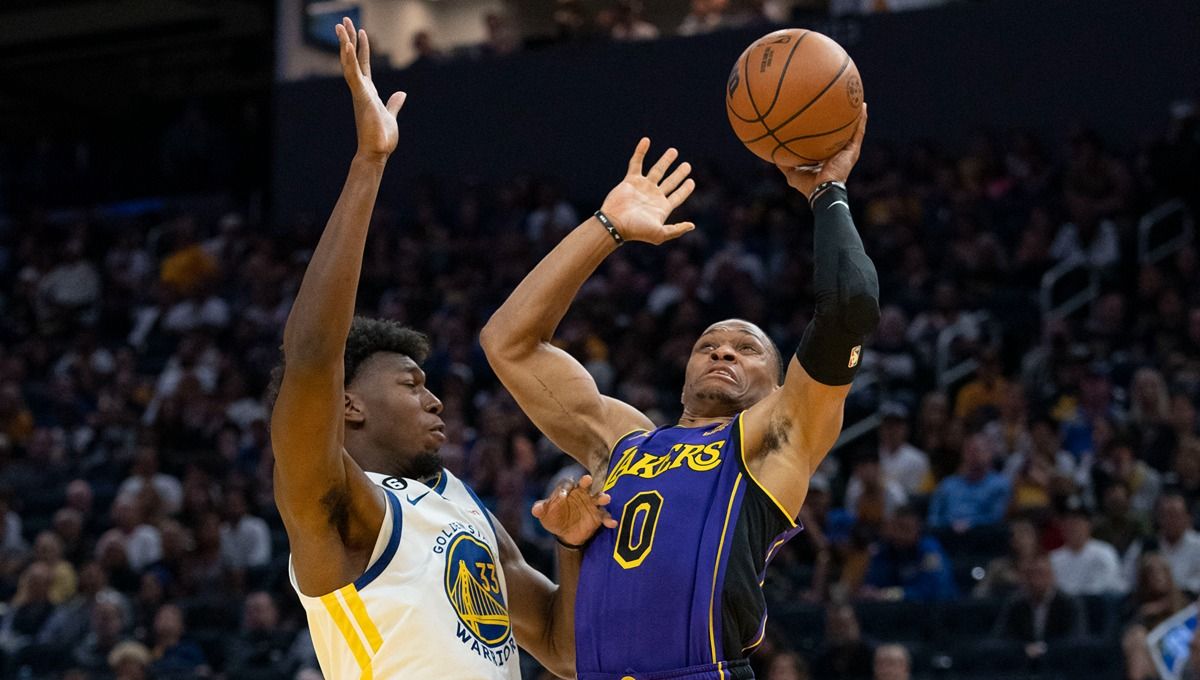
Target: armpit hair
[[336, 503], [777, 436]]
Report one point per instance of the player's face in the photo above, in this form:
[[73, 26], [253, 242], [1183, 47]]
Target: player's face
[[399, 414], [732, 367]]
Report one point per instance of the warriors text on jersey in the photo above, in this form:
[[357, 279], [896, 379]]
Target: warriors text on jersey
[[432, 602], [677, 586]]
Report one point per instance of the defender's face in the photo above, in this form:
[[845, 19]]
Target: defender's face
[[396, 408], [732, 367]]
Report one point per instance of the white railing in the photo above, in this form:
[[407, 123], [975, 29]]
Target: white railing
[[1163, 214], [1052, 310]]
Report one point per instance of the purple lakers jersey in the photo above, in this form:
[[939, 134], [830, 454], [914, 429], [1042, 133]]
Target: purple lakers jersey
[[678, 584]]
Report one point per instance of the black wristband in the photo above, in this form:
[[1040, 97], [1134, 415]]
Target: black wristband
[[607, 224], [835, 191], [570, 546]]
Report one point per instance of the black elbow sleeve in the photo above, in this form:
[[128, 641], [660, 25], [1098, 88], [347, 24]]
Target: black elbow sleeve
[[847, 291]]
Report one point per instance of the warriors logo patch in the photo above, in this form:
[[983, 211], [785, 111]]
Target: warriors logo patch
[[473, 587]]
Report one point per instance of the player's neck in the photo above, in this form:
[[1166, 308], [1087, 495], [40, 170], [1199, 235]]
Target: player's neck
[[689, 419]]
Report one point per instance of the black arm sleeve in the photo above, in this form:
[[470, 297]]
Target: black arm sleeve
[[847, 291]]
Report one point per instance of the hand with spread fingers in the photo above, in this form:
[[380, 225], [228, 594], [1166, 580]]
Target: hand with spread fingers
[[375, 121], [640, 205], [573, 513]]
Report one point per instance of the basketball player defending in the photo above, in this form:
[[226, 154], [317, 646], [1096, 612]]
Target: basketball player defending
[[675, 590], [393, 557]]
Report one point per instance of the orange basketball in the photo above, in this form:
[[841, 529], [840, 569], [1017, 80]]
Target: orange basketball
[[794, 97]]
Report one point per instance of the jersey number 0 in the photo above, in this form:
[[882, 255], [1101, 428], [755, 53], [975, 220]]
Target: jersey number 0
[[635, 535]]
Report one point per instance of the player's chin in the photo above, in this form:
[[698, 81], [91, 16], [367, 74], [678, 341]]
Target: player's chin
[[717, 397], [425, 464]]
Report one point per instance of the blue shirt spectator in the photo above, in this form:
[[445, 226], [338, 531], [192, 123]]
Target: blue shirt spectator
[[975, 497], [908, 564]]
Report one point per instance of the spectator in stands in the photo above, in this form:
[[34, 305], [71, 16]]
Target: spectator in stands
[[843, 653], [986, 391], [1187, 472], [891, 357], [29, 610], [976, 497], [174, 653], [1003, 574], [145, 473], [628, 24], [892, 662], [1118, 463], [143, 542], [263, 649], [13, 548], [245, 539], [704, 16], [1177, 541], [48, 550], [1039, 613], [1156, 598], [130, 660], [68, 625], [907, 565], [870, 497], [1121, 528], [424, 50], [1150, 419], [1084, 565], [107, 629], [788, 666], [1095, 402], [502, 40], [900, 461], [1156, 595], [68, 527]]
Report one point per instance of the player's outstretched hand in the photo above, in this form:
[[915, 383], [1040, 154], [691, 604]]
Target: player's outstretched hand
[[835, 169], [573, 513], [640, 205], [374, 120]]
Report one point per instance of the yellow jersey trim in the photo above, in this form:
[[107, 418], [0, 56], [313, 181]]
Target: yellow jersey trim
[[338, 614], [359, 609], [746, 466], [712, 636]]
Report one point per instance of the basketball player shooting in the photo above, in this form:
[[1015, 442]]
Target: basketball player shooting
[[674, 591], [394, 558]]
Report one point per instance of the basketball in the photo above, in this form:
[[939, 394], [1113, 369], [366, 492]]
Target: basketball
[[793, 97]]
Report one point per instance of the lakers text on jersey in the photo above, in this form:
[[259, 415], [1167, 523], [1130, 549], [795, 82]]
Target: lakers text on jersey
[[676, 588]]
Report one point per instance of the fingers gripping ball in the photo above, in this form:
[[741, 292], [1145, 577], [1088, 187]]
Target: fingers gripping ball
[[793, 97]]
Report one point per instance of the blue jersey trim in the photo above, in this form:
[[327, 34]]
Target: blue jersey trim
[[440, 487], [482, 508], [388, 552]]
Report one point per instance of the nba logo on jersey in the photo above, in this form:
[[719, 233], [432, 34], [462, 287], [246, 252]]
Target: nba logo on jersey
[[854, 354], [477, 597]]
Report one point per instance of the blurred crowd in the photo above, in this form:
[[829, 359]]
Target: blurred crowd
[[577, 21], [1056, 474]]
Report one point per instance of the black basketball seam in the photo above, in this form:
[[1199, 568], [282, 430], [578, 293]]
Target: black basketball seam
[[822, 134], [771, 131], [778, 86], [754, 105], [784, 146]]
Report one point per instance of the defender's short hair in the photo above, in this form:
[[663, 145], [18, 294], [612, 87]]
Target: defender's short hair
[[367, 337]]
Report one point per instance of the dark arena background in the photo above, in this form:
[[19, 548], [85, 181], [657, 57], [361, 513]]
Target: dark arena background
[[1028, 190]]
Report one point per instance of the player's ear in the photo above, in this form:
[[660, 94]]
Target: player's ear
[[355, 409]]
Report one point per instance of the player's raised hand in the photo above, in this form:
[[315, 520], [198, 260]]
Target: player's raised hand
[[374, 120], [640, 205], [835, 169], [573, 513]]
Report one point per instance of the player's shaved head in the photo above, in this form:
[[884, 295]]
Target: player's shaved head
[[754, 329], [733, 366]]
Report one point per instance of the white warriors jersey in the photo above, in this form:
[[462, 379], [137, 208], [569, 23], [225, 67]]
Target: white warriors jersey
[[432, 602]]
